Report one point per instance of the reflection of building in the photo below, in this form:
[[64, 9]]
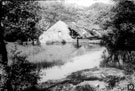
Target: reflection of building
[[62, 31]]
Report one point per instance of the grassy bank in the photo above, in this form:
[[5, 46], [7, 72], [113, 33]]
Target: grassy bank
[[34, 54]]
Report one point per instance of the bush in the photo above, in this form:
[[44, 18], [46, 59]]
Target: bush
[[22, 74], [112, 80], [85, 87], [20, 20], [122, 59], [129, 60], [120, 41]]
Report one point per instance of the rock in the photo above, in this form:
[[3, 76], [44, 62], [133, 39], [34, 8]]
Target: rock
[[96, 84], [96, 79], [84, 87], [97, 74], [63, 87]]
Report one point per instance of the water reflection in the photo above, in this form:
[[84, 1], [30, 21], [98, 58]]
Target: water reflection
[[58, 53], [70, 58]]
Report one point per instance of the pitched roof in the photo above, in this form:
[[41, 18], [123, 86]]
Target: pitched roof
[[76, 28], [58, 24], [62, 25]]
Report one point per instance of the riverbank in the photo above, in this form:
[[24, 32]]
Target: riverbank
[[95, 79], [84, 74]]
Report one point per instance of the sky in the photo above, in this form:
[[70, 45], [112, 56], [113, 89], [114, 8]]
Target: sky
[[87, 3]]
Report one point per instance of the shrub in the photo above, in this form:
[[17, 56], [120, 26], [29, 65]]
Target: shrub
[[123, 59], [85, 87], [112, 80], [120, 41], [22, 74]]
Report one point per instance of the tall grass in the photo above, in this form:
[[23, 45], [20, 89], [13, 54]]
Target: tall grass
[[34, 54]]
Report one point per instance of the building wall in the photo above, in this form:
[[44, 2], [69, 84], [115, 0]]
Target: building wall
[[56, 33]]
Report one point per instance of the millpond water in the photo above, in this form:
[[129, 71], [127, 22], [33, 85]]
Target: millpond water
[[70, 59]]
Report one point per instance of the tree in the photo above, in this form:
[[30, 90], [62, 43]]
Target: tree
[[54, 11], [120, 41], [20, 18], [3, 53], [12, 18], [123, 31]]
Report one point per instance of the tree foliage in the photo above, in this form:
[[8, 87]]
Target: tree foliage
[[19, 20], [120, 41], [122, 36], [23, 75], [95, 14], [3, 54], [53, 11]]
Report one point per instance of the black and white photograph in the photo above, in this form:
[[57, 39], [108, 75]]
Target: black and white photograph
[[67, 45]]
